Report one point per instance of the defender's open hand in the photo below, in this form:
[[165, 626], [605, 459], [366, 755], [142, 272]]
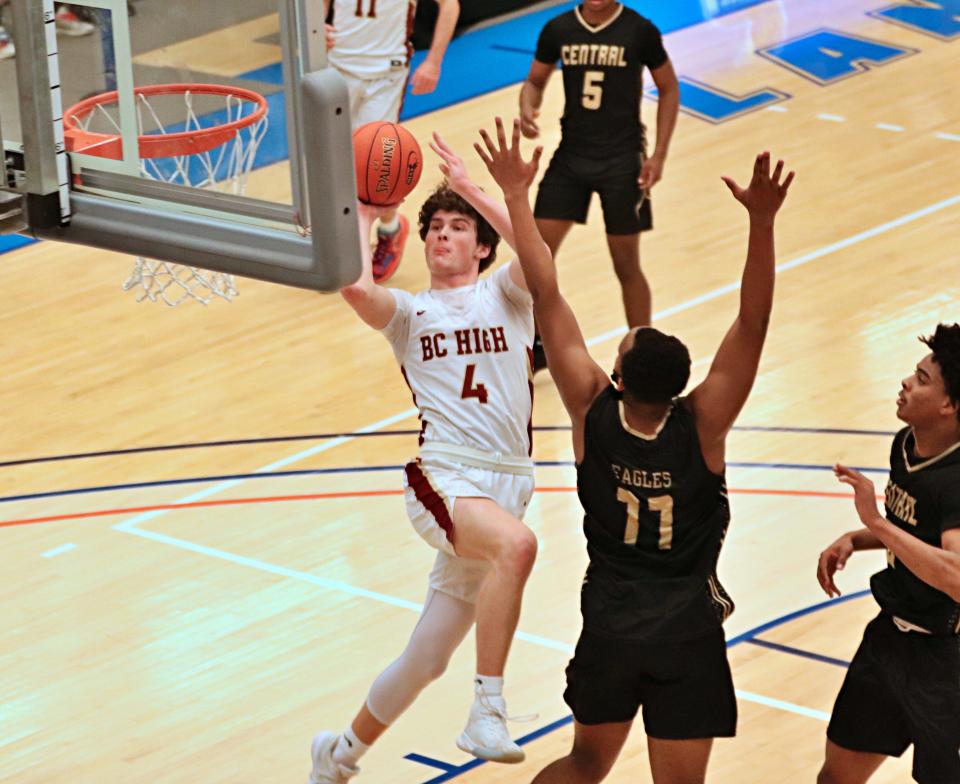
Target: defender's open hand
[[765, 193], [505, 164]]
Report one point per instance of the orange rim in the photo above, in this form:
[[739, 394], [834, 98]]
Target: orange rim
[[159, 145]]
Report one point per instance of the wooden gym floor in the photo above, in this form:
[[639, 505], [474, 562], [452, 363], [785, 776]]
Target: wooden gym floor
[[196, 614]]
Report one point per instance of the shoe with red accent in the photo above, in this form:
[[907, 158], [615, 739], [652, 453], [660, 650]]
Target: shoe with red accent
[[389, 251], [68, 23], [7, 49]]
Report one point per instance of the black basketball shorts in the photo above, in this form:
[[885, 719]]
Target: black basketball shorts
[[903, 688], [570, 181], [685, 688]]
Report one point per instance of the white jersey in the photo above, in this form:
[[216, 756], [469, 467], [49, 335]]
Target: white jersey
[[373, 37], [466, 354]]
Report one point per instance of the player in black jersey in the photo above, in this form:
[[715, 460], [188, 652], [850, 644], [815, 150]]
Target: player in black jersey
[[903, 685], [650, 475], [603, 47]]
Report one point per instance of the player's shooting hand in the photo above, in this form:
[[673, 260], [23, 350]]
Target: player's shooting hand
[[651, 172], [765, 193], [425, 78], [330, 35], [528, 122], [832, 560], [451, 164], [864, 491], [505, 163]]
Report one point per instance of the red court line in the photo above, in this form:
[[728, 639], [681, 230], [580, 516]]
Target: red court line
[[350, 494]]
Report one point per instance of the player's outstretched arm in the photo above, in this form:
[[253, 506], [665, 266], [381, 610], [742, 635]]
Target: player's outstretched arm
[[453, 168], [718, 399], [426, 77], [578, 378], [374, 304], [936, 566]]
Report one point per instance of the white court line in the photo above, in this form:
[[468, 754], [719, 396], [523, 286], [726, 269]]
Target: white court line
[[832, 118], [950, 137], [826, 250], [889, 127], [64, 548], [790, 707]]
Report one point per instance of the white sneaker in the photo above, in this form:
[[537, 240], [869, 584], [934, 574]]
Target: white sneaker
[[69, 23], [325, 770], [486, 735]]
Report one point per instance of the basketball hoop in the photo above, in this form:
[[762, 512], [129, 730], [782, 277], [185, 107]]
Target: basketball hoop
[[197, 135]]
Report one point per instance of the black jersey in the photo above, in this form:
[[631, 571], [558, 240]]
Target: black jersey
[[602, 78], [923, 499], [655, 520]]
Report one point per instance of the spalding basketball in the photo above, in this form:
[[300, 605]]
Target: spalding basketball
[[388, 162]]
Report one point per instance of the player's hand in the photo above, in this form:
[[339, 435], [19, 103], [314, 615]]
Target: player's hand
[[765, 193], [451, 164], [330, 34], [864, 492], [425, 78], [528, 123], [651, 172], [832, 560], [505, 164]]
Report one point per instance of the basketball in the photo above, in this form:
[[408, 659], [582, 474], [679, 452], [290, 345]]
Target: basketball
[[387, 161]]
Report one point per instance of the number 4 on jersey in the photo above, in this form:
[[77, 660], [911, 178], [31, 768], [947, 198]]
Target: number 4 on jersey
[[479, 391]]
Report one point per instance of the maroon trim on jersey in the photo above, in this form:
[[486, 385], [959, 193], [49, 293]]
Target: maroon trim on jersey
[[411, 13], [423, 422], [427, 495], [530, 384]]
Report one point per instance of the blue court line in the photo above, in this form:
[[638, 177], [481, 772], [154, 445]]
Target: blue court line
[[749, 635], [776, 646], [350, 470], [322, 436], [452, 771]]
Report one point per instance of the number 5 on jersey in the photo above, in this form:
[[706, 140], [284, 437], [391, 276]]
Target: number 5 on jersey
[[470, 389], [662, 504], [592, 90]]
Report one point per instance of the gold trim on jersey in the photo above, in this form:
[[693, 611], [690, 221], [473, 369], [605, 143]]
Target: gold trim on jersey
[[719, 596], [599, 27], [637, 433], [929, 461]]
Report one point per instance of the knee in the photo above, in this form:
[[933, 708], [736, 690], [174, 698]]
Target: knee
[[432, 667], [519, 552], [825, 776], [627, 270], [591, 767]]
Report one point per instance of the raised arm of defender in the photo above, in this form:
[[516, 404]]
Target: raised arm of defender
[[717, 401], [578, 378]]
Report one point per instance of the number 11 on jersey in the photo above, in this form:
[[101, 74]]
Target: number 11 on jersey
[[662, 504]]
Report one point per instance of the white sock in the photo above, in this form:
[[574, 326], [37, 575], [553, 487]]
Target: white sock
[[390, 228], [491, 686], [349, 749]]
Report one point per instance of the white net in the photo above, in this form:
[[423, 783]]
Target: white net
[[223, 168]]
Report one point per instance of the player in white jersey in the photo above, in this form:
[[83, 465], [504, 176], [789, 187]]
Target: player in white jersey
[[465, 350], [369, 44]]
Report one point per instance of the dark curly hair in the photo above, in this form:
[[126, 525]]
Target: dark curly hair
[[656, 368], [944, 343], [443, 198]]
